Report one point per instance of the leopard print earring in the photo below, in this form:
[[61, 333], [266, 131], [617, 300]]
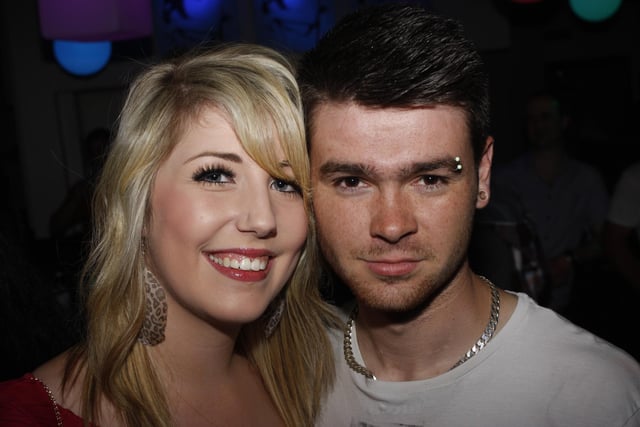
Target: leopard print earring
[[155, 311]]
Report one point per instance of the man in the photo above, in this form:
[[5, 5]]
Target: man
[[622, 227], [397, 108], [565, 198], [621, 241]]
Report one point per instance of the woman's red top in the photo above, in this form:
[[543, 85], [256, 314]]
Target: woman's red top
[[26, 401]]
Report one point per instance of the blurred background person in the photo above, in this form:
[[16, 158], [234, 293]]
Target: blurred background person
[[621, 240], [565, 198]]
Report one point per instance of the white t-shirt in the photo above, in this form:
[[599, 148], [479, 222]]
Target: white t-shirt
[[625, 202], [539, 370]]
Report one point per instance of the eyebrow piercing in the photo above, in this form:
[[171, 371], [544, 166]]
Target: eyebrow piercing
[[458, 167]]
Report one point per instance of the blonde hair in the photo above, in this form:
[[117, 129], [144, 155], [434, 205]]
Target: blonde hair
[[255, 87]]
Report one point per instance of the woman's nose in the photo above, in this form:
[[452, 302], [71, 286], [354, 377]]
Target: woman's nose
[[257, 215]]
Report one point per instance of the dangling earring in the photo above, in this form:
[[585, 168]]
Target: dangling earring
[[155, 311], [276, 308]]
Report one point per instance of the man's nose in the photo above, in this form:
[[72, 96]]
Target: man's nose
[[393, 216]]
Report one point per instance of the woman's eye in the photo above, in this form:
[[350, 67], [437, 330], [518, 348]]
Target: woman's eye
[[213, 176], [285, 186]]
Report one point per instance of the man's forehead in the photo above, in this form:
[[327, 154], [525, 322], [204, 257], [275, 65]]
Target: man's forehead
[[349, 126]]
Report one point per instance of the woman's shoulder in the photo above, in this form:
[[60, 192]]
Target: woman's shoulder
[[24, 388], [36, 397], [40, 384], [27, 401], [51, 373]]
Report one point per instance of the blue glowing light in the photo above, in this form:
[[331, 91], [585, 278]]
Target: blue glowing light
[[294, 25], [82, 58], [203, 13], [594, 10], [293, 4]]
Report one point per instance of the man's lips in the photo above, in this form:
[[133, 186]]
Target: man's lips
[[392, 268]]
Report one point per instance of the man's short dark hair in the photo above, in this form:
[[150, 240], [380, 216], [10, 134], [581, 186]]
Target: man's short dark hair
[[394, 56]]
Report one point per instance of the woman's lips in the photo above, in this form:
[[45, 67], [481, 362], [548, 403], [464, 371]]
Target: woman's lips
[[244, 267]]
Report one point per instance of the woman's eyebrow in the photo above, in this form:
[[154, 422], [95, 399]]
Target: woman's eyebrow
[[232, 157]]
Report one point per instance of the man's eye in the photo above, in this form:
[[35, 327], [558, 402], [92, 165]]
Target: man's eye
[[350, 181], [433, 181], [430, 179]]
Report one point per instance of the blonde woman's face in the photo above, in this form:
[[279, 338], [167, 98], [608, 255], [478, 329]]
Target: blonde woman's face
[[224, 235]]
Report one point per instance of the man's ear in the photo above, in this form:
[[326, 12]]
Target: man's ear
[[484, 174]]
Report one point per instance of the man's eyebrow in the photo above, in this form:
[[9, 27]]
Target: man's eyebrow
[[453, 164], [358, 169], [332, 167]]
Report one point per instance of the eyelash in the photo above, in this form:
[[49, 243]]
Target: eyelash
[[295, 188], [210, 175]]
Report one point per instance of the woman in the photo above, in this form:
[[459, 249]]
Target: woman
[[200, 219]]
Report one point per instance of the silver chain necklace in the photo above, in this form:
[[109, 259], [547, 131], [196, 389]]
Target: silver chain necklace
[[479, 345]]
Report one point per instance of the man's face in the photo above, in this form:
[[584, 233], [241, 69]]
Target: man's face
[[394, 210]]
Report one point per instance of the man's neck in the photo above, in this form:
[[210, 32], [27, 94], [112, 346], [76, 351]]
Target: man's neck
[[429, 343]]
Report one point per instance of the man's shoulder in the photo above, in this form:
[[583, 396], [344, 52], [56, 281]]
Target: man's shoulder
[[631, 173], [554, 339], [583, 173]]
